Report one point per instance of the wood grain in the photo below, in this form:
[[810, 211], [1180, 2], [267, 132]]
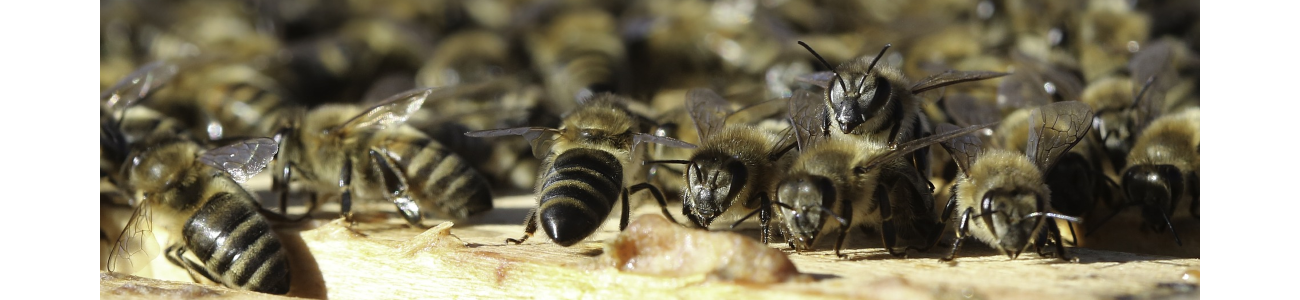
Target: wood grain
[[384, 258]]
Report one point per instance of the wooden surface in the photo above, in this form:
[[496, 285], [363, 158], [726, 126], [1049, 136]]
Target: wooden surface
[[387, 259]]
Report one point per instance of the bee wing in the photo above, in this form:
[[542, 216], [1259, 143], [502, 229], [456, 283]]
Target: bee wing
[[1022, 89], [913, 145], [136, 246], [1054, 129], [952, 77], [242, 160], [1152, 74], [540, 138], [964, 149], [639, 138], [821, 79], [966, 110], [759, 111], [1066, 84], [808, 115], [138, 84], [708, 110], [391, 112]]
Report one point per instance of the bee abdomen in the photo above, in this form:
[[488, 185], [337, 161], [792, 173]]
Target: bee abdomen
[[446, 183], [578, 193], [235, 243]]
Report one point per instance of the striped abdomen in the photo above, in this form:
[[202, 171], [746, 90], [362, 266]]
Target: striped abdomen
[[439, 180], [237, 246], [578, 192]]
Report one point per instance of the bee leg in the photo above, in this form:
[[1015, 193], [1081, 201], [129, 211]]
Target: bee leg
[[395, 184], [654, 191], [280, 184], [887, 231], [530, 226], [847, 206], [1060, 246], [345, 184], [963, 228], [765, 216], [1194, 186], [943, 219], [176, 255]]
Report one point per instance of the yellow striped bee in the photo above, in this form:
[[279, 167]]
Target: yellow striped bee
[[195, 195], [1007, 190], [855, 182], [733, 170], [371, 154], [586, 166]]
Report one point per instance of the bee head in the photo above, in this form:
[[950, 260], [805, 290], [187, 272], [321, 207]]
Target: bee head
[[1015, 226], [854, 104], [802, 201], [712, 182], [1157, 188]]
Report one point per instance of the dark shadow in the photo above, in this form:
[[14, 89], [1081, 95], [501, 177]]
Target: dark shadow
[[306, 280]]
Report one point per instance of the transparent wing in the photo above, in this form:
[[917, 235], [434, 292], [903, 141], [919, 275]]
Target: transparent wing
[[242, 160], [138, 84], [708, 110], [540, 138], [136, 246], [821, 79], [774, 108], [1153, 73], [1054, 129], [963, 149], [913, 145], [808, 115], [966, 110], [1063, 83], [1022, 89], [391, 112], [952, 77]]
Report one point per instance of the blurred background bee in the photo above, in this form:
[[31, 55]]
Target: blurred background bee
[[369, 154]]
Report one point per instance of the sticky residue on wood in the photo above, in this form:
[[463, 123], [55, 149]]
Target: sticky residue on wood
[[652, 245]]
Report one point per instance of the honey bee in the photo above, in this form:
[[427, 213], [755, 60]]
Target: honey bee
[[121, 127], [195, 196], [371, 154], [733, 169], [1007, 190], [1163, 168], [855, 182], [586, 167], [881, 104]]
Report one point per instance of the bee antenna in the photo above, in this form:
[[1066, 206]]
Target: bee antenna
[[1145, 86], [824, 63], [873, 62]]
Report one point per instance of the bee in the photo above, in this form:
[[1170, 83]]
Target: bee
[[586, 165], [872, 108], [1007, 190], [121, 127], [1108, 34], [195, 195], [734, 167], [577, 53], [370, 154], [855, 182], [1163, 168]]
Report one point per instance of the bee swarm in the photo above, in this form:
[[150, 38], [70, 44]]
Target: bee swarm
[[479, 81]]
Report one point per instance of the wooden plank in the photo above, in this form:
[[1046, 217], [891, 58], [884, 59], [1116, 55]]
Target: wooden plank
[[388, 259]]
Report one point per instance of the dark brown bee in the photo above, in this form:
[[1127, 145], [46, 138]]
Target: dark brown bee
[[586, 165], [879, 103], [195, 195], [733, 170], [855, 182]]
